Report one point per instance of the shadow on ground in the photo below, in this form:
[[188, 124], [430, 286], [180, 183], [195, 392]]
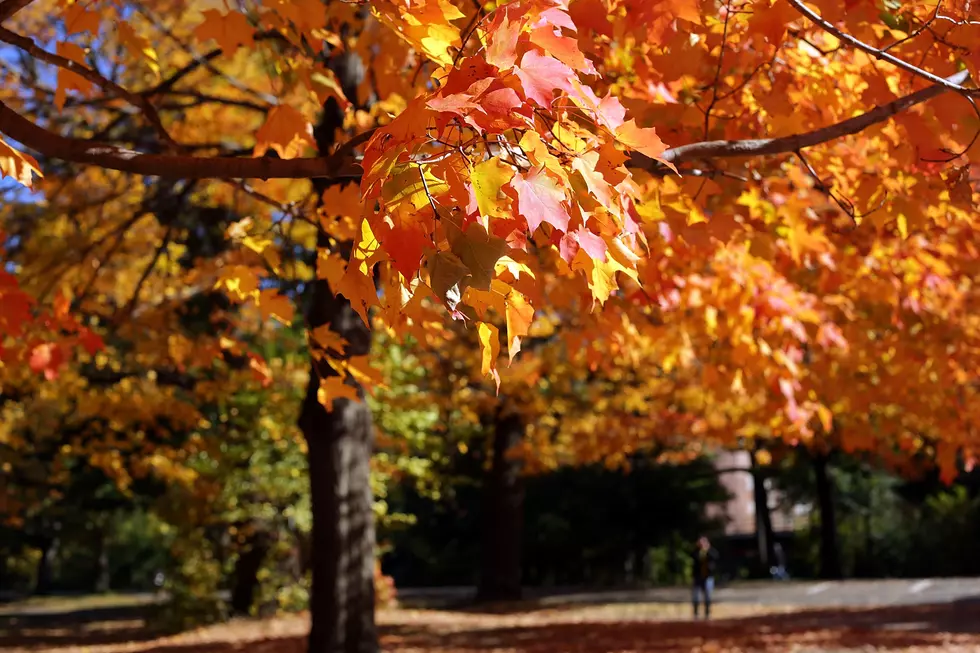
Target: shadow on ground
[[945, 626], [88, 626]]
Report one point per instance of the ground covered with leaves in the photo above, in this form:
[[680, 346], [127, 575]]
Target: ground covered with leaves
[[633, 628]]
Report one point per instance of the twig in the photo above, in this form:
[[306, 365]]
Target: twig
[[139, 101], [881, 55]]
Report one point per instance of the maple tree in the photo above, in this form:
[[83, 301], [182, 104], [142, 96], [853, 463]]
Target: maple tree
[[779, 197]]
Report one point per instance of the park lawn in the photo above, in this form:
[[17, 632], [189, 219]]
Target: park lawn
[[620, 628]]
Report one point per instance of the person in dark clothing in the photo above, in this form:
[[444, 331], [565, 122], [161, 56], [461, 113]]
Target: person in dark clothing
[[705, 559]]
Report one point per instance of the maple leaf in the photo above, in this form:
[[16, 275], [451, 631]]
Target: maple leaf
[[286, 131], [770, 20], [540, 75], [592, 244], [539, 199], [405, 246], [445, 271], [457, 103], [239, 280], [519, 314], [488, 178], [643, 140], [490, 346], [79, 19], [332, 388], [230, 31], [67, 80], [17, 165], [328, 339], [479, 252], [276, 306], [47, 358], [359, 289], [90, 341], [563, 48], [138, 45], [502, 46]]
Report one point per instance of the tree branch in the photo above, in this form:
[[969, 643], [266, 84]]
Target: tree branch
[[341, 165], [338, 166], [796, 142], [11, 7], [141, 102], [881, 55]]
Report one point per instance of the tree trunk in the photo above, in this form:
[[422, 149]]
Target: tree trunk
[[830, 567], [763, 520], [45, 571], [246, 574], [503, 515], [102, 577], [339, 447]]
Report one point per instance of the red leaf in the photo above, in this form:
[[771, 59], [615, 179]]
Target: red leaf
[[502, 48], [405, 246], [563, 48], [539, 199], [92, 342], [593, 245], [541, 75]]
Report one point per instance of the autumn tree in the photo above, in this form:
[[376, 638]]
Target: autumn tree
[[531, 130]]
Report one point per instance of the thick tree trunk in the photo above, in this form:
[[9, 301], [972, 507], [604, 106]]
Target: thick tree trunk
[[763, 520], [246, 574], [503, 515], [339, 443], [830, 567]]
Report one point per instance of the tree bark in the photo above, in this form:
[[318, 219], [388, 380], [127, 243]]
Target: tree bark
[[339, 444], [247, 571], [503, 515], [830, 567], [45, 572], [102, 577]]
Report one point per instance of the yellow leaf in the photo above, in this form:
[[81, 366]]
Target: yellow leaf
[[138, 46], [239, 281], [488, 178], [490, 346], [286, 131], [17, 165]]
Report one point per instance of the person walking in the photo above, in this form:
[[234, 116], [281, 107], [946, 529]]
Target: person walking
[[705, 559]]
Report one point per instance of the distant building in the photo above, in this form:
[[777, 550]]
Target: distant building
[[739, 512]]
